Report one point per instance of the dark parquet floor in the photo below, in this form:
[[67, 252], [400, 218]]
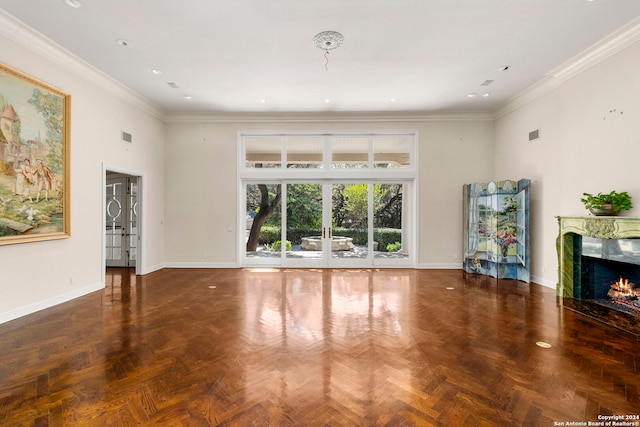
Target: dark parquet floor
[[304, 347]]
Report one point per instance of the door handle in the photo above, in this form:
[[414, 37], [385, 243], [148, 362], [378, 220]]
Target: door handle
[[329, 232], [323, 232]]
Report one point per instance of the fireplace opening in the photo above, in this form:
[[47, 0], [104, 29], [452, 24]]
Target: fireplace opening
[[610, 273]]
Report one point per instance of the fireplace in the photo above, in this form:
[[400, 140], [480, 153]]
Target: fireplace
[[599, 269]]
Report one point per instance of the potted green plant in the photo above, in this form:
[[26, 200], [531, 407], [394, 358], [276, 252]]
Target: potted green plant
[[607, 204]]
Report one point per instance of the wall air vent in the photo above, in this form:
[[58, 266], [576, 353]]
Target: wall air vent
[[534, 135], [126, 137]]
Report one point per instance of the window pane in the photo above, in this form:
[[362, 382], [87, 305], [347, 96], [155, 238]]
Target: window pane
[[388, 221], [350, 152], [304, 152], [392, 151], [263, 151], [350, 220], [304, 221], [263, 221]]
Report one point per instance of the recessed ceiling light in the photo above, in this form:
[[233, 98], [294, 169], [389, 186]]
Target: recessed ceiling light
[[392, 100], [122, 42], [472, 95], [263, 101], [73, 3], [486, 95], [327, 101], [187, 97], [156, 71], [449, 288]]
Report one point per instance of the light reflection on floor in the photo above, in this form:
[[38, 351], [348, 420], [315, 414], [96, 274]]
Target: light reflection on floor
[[309, 314]]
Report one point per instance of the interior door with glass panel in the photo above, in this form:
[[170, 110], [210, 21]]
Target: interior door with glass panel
[[121, 221]]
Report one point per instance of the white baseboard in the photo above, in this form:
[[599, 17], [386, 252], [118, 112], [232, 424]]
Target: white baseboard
[[152, 268], [41, 305], [443, 266], [200, 265], [544, 282]]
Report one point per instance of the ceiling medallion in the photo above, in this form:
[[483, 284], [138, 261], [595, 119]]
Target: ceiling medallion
[[328, 40]]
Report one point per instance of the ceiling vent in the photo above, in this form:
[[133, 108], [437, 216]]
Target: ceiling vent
[[486, 82], [126, 137], [173, 85], [534, 135]]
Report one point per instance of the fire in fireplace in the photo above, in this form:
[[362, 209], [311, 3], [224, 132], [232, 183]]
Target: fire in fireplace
[[608, 271], [623, 292], [593, 254]]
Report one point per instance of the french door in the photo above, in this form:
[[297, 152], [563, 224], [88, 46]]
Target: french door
[[328, 223], [121, 221]]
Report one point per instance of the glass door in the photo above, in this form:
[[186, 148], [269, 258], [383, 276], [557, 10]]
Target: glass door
[[121, 217], [349, 224], [306, 231], [262, 225], [330, 223], [327, 224]]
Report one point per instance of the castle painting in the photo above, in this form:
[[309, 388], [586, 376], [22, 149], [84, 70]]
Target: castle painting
[[34, 159]]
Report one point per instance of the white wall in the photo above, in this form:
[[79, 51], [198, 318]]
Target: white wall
[[201, 190], [590, 142], [38, 275]]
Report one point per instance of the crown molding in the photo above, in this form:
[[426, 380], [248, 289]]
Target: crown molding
[[332, 117], [620, 39], [20, 33]]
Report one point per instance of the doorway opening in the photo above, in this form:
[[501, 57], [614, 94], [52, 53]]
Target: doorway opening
[[122, 221]]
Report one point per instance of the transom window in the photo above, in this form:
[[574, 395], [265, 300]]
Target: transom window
[[336, 151]]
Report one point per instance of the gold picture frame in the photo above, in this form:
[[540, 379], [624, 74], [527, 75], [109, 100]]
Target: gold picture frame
[[34, 159]]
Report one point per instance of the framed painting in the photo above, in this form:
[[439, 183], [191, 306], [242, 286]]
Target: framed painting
[[34, 159]]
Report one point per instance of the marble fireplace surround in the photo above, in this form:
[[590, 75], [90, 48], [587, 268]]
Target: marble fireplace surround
[[568, 287]]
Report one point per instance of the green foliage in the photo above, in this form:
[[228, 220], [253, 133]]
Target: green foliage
[[271, 233], [387, 205], [359, 235], [356, 198], [277, 246], [386, 236], [618, 201], [394, 247], [510, 206], [349, 212], [304, 205]]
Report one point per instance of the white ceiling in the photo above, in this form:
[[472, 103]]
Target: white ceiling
[[258, 55]]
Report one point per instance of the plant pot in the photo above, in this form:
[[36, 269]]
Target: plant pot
[[605, 210]]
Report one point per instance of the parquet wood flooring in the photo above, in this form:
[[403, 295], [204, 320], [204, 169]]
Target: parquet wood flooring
[[305, 347]]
